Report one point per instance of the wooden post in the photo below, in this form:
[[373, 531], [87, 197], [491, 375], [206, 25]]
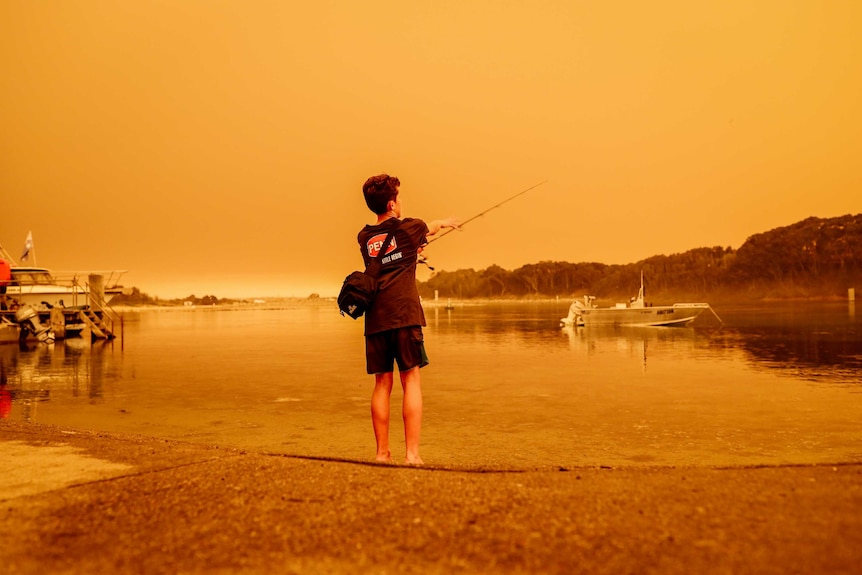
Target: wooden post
[[58, 322], [96, 292]]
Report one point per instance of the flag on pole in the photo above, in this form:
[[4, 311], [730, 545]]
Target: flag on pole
[[28, 245]]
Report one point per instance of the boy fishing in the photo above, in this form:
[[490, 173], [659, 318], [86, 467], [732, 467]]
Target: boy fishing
[[393, 323]]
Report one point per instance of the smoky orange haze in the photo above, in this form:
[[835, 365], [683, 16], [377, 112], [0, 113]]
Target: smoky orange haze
[[220, 147]]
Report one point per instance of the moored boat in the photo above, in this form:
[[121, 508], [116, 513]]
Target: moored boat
[[43, 289], [635, 313], [41, 304]]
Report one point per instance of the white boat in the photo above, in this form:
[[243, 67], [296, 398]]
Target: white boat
[[43, 289], [635, 313], [36, 303]]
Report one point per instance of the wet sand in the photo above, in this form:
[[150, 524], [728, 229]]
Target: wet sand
[[75, 501]]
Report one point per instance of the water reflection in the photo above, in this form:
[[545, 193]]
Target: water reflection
[[506, 385], [819, 344], [531, 324], [33, 374], [628, 341]]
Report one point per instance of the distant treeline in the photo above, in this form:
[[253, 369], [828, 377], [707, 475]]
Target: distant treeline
[[136, 297], [812, 258]]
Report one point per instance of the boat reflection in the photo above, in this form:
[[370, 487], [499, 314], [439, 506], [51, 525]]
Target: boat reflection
[[825, 347], [631, 341], [32, 374]]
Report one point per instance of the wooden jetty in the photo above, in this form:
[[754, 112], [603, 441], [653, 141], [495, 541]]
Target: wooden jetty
[[49, 323]]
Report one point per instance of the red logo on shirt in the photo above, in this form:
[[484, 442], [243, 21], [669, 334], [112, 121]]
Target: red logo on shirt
[[376, 242]]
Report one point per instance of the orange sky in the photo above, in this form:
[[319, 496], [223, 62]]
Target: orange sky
[[220, 146]]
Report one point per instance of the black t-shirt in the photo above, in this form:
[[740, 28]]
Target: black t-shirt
[[397, 303]]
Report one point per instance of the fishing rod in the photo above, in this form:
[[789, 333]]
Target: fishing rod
[[424, 260], [480, 214]]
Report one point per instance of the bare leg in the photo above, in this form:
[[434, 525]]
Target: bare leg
[[380, 414], [412, 413]]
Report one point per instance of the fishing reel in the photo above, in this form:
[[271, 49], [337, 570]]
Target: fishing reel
[[424, 261]]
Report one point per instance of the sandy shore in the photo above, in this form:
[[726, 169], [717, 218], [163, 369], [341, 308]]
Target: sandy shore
[[75, 501]]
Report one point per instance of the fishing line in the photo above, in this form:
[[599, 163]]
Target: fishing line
[[424, 260]]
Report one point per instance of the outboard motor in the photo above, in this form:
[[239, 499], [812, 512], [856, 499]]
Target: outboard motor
[[28, 319]]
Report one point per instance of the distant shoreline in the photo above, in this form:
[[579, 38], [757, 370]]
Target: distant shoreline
[[297, 302]]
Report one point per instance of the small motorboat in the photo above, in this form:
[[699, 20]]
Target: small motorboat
[[635, 313]]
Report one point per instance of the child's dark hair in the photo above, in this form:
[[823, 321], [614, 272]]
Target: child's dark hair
[[379, 191]]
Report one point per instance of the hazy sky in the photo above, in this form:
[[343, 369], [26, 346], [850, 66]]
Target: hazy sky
[[219, 147]]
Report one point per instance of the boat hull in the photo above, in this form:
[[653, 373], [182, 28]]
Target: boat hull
[[668, 315], [43, 296]]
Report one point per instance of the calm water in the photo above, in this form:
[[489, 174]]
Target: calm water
[[507, 387]]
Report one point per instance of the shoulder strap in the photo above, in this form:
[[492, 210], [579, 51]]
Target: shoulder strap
[[373, 267]]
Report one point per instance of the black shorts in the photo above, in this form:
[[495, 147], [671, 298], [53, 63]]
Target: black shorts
[[404, 345]]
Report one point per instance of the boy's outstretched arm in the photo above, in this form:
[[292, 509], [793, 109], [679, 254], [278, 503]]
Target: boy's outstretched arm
[[437, 225]]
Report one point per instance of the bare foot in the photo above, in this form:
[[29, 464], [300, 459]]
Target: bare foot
[[414, 461], [384, 457]]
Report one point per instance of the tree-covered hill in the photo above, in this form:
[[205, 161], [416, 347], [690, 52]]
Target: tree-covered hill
[[818, 258]]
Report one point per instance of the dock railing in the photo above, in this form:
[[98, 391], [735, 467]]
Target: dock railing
[[98, 304]]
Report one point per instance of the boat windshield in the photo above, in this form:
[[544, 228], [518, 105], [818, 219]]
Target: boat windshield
[[32, 277]]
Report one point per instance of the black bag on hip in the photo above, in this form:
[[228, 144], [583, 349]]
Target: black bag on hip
[[357, 293]]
